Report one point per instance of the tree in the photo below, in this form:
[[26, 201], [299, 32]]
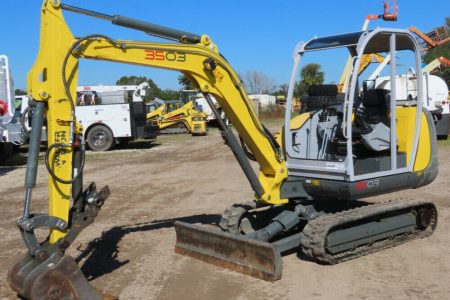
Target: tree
[[311, 74], [132, 80], [299, 90], [258, 83], [186, 83], [282, 90], [444, 51], [153, 92], [169, 94], [20, 92]]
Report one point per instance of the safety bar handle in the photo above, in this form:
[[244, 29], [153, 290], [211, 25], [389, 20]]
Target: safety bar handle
[[150, 28], [347, 96]]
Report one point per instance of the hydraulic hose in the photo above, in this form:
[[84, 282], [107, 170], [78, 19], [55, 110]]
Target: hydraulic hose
[[66, 86], [61, 146]]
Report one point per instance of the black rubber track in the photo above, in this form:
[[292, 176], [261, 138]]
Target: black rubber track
[[316, 231]]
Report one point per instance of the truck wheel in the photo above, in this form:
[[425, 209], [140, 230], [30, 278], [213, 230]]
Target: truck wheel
[[100, 138]]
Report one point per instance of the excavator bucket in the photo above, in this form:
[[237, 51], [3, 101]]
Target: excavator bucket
[[49, 273], [237, 253], [55, 277]]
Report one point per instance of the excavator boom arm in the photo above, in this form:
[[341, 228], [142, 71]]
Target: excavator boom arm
[[60, 52]]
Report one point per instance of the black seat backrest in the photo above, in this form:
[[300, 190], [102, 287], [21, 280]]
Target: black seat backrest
[[319, 96], [376, 102], [323, 90]]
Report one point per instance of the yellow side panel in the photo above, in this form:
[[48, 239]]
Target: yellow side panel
[[424, 151], [298, 121], [406, 117]]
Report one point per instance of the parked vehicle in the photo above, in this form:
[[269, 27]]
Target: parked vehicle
[[108, 118], [435, 95], [10, 128]]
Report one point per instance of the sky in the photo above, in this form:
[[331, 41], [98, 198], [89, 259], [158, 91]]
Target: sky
[[253, 35]]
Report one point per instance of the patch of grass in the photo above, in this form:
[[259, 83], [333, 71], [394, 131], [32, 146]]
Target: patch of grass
[[273, 123], [272, 112], [444, 143]]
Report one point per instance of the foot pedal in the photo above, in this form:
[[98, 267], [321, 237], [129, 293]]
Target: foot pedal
[[237, 253]]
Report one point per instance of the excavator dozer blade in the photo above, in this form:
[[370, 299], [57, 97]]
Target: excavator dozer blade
[[55, 277], [237, 253]]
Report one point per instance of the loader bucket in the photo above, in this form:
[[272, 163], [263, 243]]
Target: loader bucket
[[237, 253]]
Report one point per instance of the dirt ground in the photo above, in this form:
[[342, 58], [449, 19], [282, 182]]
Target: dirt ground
[[129, 250]]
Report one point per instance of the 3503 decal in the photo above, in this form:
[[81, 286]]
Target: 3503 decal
[[165, 55]]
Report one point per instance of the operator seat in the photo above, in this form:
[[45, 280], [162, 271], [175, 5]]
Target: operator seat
[[376, 103], [372, 120]]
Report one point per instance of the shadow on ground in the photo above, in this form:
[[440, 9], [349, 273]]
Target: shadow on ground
[[5, 170], [102, 253]]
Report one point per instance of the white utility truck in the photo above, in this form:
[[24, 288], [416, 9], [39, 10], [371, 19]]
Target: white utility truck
[[109, 117], [435, 95]]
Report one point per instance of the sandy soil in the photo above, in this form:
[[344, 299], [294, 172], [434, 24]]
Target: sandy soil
[[129, 249]]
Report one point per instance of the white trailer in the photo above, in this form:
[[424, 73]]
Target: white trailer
[[108, 118], [264, 100]]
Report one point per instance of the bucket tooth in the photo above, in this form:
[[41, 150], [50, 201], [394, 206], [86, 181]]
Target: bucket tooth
[[237, 253]]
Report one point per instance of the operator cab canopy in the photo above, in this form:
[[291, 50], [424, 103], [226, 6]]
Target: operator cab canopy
[[377, 44]]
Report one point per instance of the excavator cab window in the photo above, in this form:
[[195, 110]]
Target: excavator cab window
[[315, 131], [373, 123], [355, 134]]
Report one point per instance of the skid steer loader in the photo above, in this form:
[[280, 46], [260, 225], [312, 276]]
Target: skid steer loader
[[345, 148], [174, 117]]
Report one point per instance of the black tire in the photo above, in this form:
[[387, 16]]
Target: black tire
[[100, 138], [6, 150]]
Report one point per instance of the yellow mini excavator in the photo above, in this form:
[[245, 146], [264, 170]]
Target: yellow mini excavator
[[174, 116], [311, 178]]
